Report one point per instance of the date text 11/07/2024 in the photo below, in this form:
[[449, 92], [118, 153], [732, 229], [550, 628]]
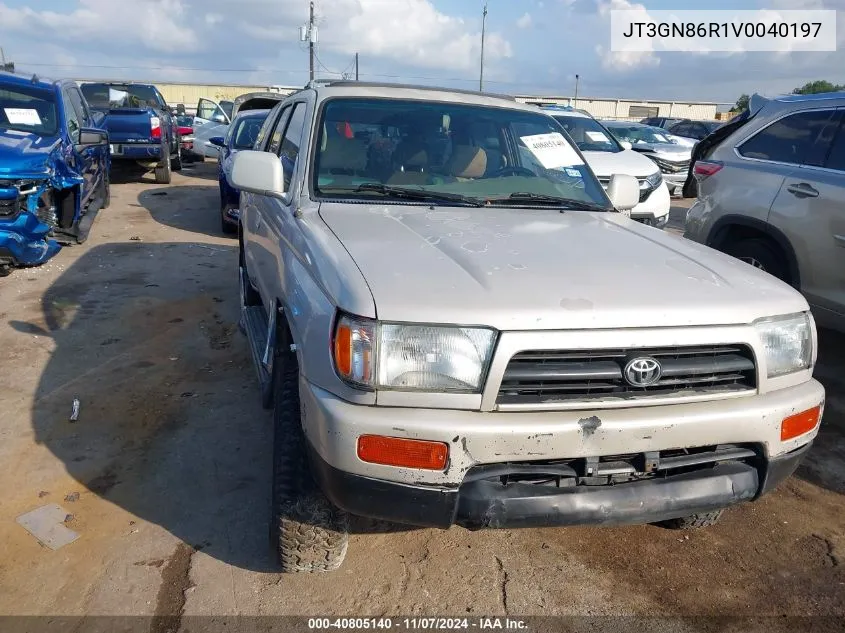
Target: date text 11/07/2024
[[418, 624]]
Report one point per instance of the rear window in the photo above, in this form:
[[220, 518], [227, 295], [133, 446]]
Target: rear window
[[28, 110], [119, 96]]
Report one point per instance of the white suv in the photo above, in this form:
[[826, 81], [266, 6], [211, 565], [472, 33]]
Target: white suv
[[606, 156]]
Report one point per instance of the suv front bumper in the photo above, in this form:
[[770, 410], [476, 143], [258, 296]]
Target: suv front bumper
[[459, 494]]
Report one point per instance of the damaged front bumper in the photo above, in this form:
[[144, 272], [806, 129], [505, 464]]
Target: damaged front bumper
[[28, 217], [25, 241]]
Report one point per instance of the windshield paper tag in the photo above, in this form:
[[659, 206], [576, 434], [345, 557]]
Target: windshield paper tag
[[574, 173], [598, 137], [22, 116], [552, 150]]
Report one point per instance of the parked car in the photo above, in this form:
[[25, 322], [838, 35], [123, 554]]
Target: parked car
[[672, 158], [185, 125], [54, 168], [693, 130], [445, 343], [660, 121], [771, 192], [606, 156], [142, 128], [241, 135], [221, 117]]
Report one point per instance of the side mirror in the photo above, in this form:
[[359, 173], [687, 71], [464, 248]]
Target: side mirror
[[623, 191], [626, 145], [218, 118], [89, 137], [261, 173], [217, 141]]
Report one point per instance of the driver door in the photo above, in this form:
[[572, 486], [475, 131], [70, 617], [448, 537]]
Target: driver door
[[210, 120], [209, 111]]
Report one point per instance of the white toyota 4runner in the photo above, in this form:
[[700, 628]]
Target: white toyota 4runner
[[455, 325]]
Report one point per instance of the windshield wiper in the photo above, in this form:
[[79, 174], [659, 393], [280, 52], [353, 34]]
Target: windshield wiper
[[410, 194], [522, 197]]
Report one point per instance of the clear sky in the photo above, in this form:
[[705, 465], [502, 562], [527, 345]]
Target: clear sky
[[532, 46]]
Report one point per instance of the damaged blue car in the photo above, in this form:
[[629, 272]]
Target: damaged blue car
[[54, 168]]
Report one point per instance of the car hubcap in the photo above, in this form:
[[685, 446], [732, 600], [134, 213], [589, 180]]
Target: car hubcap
[[754, 262]]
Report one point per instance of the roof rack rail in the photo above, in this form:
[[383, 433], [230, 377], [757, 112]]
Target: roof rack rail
[[313, 83]]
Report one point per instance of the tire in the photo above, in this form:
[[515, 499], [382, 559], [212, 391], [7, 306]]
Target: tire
[[163, 173], [693, 521], [105, 191], [760, 253], [249, 295], [227, 227], [309, 534], [176, 162]]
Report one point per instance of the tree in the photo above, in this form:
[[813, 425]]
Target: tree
[[815, 87], [741, 103]]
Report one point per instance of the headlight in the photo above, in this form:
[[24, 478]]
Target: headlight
[[788, 343], [412, 357], [655, 179]]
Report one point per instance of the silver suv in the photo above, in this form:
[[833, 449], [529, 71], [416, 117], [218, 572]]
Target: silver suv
[[771, 192], [454, 325]]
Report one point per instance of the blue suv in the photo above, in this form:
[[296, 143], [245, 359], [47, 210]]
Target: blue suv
[[54, 165]]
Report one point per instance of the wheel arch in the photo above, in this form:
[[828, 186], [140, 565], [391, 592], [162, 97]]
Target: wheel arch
[[732, 227]]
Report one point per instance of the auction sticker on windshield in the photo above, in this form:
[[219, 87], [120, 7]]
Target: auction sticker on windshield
[[598, 137], [552, 150], [22, 116]]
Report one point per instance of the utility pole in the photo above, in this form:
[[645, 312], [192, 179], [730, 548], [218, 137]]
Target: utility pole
[[356, 66], [576, 91], [4, 65], [311, 41], [483, 26]]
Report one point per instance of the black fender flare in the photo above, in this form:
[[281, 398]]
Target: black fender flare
[[720, 229]]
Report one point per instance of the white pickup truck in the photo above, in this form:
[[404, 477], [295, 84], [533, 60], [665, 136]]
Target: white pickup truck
[[455, 324]]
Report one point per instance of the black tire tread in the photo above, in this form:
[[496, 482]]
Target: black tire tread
[[310, 534], [763, 250], [693, 521]]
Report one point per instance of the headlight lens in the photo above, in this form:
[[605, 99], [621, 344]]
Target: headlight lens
[[412, 357], [788, 343]]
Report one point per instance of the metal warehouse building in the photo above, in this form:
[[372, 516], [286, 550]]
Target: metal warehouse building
[[189, 95]]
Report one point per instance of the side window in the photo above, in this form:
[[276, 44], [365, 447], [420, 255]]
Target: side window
[[275, 142], [206, 109], [789, 140], [160, 98], [267, 126], [836, 158], [80, 107], [71, 117], [230, 132], [292, 140]]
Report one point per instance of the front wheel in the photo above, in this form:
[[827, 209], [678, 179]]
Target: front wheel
[[309, 534]]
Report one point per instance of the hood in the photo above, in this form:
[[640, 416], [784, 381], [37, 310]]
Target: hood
[[25, 155], [518, 269], [670, 150], [605, 164]]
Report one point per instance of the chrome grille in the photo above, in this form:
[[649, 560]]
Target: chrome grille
[[542, 377], [671, 167]]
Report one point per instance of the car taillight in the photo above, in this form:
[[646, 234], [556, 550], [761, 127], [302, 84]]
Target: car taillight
[[155, 127], [706, 168]]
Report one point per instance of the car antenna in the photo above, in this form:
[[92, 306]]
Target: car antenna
[[35, 79]]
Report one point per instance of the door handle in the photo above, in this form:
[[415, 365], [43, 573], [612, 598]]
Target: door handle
[[803, 190]]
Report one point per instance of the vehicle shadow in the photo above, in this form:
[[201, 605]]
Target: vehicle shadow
[[194, 208], [825, 463], [170, 427]]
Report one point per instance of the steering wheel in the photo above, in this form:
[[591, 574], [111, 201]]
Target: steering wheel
[[513, 170]]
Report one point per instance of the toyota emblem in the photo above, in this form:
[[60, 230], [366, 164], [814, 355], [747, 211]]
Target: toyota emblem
[[643, 372]]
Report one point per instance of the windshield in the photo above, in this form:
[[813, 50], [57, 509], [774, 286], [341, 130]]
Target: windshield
[[27, 109], [638, 134], [479, 152], [246, 132], [588, 134], [118, 96]]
